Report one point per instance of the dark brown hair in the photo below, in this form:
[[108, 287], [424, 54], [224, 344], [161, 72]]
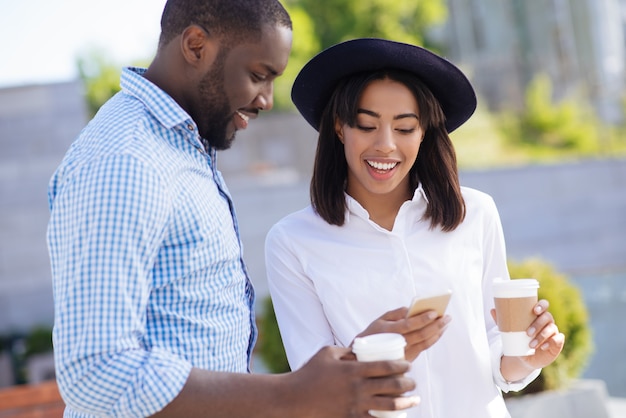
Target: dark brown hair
[[435, 167]]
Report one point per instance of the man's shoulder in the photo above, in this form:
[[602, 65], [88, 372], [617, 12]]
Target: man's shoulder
[[120, 133]]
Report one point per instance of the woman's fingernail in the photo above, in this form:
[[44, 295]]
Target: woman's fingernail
[[537, 309], [530, 331], [534, 343]]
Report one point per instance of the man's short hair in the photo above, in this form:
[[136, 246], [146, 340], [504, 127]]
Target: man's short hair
[[232, 21]]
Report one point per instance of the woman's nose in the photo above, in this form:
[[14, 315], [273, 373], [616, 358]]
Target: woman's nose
[[385, 141]]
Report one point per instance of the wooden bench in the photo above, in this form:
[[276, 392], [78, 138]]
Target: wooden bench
[[41, 400]]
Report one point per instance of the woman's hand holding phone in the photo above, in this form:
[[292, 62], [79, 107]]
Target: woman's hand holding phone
[[420, 327]]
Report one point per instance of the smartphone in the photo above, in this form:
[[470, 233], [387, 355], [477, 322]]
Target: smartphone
[[437, 303]]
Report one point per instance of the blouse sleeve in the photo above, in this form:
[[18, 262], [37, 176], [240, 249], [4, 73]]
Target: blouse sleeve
[[495, 266], [299, 312]]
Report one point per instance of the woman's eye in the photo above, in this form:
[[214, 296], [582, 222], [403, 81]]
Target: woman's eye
[[365, 128], [406, 131]]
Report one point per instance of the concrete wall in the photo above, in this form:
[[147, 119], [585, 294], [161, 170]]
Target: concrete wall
[[573, 214], [37, 124]]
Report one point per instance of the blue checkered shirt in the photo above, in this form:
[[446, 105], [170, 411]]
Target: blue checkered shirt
[[148, 275]]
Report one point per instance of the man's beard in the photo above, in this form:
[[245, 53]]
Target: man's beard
[[216, 108]]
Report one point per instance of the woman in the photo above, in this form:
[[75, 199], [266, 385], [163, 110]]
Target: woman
[[389, 221]]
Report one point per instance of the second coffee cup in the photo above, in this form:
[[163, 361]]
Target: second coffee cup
[[384, 346], [514, 302]]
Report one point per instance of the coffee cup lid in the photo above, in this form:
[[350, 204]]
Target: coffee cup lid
[[377, 342], [504, 287]]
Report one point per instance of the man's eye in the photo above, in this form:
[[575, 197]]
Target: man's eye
[[258, 77]]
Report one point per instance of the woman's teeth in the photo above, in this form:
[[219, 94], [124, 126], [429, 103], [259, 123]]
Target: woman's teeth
[[382, 166]]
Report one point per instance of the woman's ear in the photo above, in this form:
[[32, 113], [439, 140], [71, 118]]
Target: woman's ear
[[339, 130]]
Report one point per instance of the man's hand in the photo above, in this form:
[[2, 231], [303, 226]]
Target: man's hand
[[333, 384]]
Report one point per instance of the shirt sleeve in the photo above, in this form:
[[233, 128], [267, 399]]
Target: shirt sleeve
[[300, 314], [495, 266], [106, 226]]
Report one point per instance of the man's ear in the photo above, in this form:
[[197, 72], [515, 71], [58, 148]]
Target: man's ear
[[197, 47], [339, 130]]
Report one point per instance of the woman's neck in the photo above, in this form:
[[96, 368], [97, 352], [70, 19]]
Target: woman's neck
[[382, 208]]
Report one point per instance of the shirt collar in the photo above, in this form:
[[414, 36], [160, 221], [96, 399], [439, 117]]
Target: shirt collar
[[160, 104], [354, 207], [419, 194]]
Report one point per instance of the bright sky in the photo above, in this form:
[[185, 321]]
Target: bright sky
[[41, 39]]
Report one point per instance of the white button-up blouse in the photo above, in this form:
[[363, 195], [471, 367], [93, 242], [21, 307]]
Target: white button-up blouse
[[328, 283]]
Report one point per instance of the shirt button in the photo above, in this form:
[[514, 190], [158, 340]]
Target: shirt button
[[190, 127]]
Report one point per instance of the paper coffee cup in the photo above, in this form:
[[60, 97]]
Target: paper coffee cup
[[385, 346], [514, 301]]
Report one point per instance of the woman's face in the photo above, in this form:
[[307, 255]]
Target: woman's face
[[383, 145]]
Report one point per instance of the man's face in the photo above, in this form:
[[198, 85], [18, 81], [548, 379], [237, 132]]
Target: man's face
[[239, 84]]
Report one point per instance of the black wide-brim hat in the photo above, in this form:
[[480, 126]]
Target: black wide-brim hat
[[317, 80]]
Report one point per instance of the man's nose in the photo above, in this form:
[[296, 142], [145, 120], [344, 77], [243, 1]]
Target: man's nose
[[265, 98]]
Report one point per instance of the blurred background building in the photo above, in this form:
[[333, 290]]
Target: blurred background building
[[579, 44]]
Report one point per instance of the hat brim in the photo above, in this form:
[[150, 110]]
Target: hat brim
[[317, 80]]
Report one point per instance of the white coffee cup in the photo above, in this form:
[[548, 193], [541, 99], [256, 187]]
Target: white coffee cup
[[384, 346], [514, 301]]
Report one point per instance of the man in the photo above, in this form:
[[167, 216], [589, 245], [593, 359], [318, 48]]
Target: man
[[153, 305]]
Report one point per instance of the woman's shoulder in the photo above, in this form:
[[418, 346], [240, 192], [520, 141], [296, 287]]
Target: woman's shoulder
[[477, 200], [475, 195], [298, 221]]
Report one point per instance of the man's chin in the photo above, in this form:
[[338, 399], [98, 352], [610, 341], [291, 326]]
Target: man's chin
[[222, 142], [227, 142], [226, 145]]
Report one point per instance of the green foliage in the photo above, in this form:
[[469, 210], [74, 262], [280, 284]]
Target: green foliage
[[567, 127], [340, 20], [269, 346], [101, 79], [479, 143], [305, 45], [570, 315], [38, 341], [20, 346]]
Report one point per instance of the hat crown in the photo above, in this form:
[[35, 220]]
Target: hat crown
[[317, 80]]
